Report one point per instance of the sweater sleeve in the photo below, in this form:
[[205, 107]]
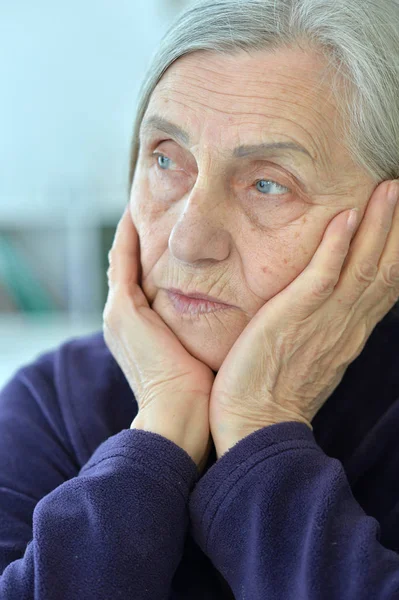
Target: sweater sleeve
[[277, 518], [114, 528]]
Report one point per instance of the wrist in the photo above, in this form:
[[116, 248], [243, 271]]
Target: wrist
[[226, 436], [178, 429]]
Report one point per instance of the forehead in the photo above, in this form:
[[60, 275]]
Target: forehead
[[283, 92], [254, 67]]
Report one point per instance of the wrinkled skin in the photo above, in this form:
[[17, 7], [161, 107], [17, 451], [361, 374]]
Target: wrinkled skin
[[204, 223], [295, 351]]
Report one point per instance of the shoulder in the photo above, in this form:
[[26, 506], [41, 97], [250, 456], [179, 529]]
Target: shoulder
[[82, 390]]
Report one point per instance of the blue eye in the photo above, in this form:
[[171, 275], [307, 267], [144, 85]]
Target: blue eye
[[271, 183], [160, 156]]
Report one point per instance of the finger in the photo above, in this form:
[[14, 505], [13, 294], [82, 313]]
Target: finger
[[361, 268], [124, 254], [390, 257], [322, 275], [335, 268], [315, 284], [384, 293]]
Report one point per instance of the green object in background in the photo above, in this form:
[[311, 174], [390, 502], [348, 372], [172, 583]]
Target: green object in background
[[21, 282]]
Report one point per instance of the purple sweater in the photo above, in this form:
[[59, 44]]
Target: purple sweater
[[91, 510]]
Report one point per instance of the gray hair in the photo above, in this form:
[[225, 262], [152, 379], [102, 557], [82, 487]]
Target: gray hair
[[358, 38]]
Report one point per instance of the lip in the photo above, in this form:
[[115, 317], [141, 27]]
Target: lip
[[197, 296], [195, 303]]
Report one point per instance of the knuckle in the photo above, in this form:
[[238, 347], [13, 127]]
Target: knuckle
[[111, 276], [323, 286], [110, 255], [365, 272], [393, 295], [390, 274]]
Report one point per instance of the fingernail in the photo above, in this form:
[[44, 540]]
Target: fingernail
[[393, 191]]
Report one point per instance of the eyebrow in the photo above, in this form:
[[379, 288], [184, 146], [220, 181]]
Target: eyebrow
[[156, 122]]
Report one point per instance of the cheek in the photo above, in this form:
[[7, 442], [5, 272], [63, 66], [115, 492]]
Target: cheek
[[152, 229], [147, 214], [283, 258]]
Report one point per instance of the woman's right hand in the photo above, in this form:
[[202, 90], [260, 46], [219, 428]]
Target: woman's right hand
[[172, 388]]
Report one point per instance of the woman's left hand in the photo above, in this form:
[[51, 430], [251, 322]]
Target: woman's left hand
[[296, 349]]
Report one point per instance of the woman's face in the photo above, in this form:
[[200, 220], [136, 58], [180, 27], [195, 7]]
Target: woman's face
[[237, 226]]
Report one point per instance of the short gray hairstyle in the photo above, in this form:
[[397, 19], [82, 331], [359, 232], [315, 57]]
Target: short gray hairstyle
[[358, 38]]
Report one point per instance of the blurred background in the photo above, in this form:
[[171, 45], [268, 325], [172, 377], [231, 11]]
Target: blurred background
[[69, 76]]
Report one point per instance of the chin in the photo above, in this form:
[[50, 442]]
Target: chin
[[209, 337], [211, 350]]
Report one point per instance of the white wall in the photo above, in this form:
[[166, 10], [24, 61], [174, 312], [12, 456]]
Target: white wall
[[69, 78]]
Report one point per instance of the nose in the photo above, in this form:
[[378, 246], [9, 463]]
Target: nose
[[201, 233]]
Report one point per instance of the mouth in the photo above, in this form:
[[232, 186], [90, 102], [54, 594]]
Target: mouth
[[195, 303]]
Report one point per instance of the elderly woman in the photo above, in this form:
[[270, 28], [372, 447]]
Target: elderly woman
[[232, 432]]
